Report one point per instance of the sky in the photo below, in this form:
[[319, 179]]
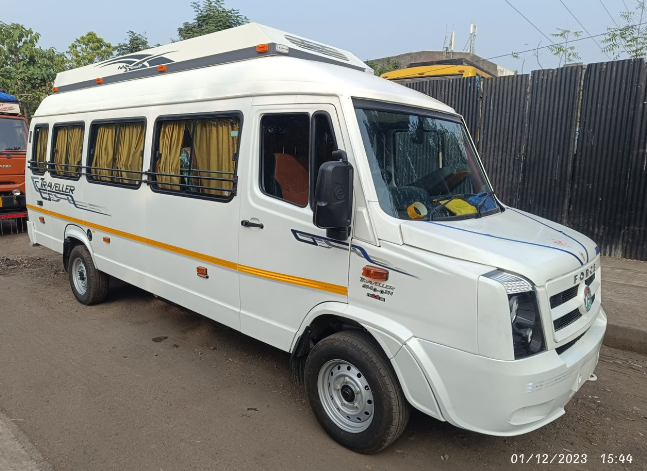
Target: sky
[[368, 28]]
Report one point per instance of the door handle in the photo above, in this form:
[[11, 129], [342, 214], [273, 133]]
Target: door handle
[[246, 223]]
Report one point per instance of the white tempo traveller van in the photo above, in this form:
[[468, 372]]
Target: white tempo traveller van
[[275, 185]]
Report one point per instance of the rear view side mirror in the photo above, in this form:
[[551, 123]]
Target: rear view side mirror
[[334, 197]]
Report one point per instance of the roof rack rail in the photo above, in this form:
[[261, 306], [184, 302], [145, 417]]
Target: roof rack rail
[[250, 41]]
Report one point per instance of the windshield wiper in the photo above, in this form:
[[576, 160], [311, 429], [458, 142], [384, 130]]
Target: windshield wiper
[[452, 198], [488, 194]]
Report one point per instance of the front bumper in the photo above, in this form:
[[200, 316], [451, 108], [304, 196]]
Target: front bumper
[[507, 397]]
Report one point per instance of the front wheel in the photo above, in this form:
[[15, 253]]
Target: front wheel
[[89, 285], [354, 392]]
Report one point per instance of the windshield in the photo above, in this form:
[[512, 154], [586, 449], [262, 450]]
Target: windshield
[[423, 167], [12, 134]]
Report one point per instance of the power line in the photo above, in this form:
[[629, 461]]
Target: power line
[[584, 28], [615, 23], [584, 38], [610, 15], [533, 25], [545, 47]]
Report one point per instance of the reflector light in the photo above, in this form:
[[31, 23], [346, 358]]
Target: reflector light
[[106, 240], [99, 81], [42, 219], [202, 272], [262, 48], [55, 89], [161, 68], [375, 273]]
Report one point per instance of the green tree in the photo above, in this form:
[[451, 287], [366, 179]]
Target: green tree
[[210, 16], [388, 65], [89, 49], [26, 70], [562, 50], [629, 37], [134, 42]]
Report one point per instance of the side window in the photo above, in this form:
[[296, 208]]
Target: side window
[[117, 152], [67, 148], [197, 157], [285, 140], [38, 162], [324, 144]]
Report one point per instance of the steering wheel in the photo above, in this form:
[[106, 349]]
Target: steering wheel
[[443, 180]]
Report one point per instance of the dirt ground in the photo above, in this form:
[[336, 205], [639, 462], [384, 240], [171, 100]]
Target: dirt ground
[[140, 384]]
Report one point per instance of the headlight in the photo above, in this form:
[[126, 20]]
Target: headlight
[[15, 192], [527, 332]]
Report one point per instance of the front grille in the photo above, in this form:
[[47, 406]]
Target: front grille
[[560, 298], [567, 319], [590, 279], [565, 347]]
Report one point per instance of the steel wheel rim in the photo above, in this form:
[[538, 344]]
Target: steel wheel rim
[[346, 396], [80, 276]]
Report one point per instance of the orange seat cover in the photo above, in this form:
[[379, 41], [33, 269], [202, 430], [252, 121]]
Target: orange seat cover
[[293, 178]]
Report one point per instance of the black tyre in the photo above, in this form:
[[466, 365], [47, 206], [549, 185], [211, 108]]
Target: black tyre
[[89, 285], [355, 393]]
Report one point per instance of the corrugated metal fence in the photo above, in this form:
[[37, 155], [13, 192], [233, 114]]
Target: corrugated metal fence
[[567, 144]]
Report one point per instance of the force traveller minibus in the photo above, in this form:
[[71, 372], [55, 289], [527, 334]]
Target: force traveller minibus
[[275, 185]]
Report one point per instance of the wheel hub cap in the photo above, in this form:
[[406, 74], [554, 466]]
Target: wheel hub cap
[[79, 276], [346, 396]]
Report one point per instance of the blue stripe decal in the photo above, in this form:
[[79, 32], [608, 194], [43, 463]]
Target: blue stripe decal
[[557, 230], [511, 240]]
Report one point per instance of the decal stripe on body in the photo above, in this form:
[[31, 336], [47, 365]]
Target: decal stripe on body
[[557, 230], [511, 240], [281, 277]]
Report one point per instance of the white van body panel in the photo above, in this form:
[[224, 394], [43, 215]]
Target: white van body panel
[[512, 240], [440, 319]]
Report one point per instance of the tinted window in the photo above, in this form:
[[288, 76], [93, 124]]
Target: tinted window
[[324, 143], [197, 156], [285, 143], [67, 149], [39, 149], [116, 152]]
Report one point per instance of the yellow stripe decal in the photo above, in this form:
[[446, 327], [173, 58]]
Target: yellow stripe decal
[[295, 280]]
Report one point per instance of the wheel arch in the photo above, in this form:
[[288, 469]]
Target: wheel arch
[[328, 318], [75, 235]]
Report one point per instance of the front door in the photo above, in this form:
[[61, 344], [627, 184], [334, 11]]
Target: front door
[[287, 265]]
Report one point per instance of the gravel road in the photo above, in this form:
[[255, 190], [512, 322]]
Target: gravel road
[[140, 384]]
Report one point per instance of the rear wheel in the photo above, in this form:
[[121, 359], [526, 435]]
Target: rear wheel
[[89, 285], [354, 392]]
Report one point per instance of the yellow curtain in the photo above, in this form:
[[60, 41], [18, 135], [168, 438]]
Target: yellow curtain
[[215, 142], [74, 150], [60, 150], [130, 146], [104, 151], [41, 148], [170, 146]]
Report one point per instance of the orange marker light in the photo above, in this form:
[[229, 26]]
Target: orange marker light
[[202, 272], [42, 219], [262, 48], [161, 68], [55, 89], [99, 81], [375, 273], [106, 240]]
